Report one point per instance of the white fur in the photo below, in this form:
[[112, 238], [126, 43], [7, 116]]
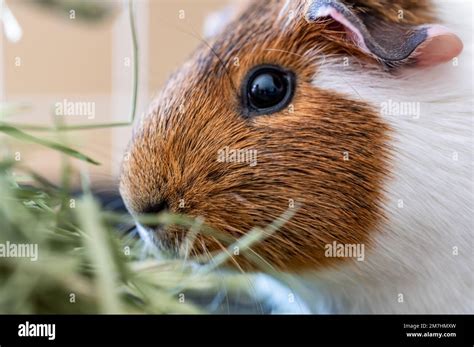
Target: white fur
[[413, 255]]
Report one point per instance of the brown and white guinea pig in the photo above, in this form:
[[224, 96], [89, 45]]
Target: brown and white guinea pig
[[359, 112]]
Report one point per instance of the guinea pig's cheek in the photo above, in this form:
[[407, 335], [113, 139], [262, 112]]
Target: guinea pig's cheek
[[331, 158]]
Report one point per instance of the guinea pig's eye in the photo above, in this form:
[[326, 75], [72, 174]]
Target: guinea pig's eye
[[267, 89]]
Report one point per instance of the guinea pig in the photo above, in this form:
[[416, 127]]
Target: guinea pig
[[357, 113]]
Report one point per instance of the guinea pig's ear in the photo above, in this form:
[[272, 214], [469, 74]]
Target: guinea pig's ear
[[392, 43]]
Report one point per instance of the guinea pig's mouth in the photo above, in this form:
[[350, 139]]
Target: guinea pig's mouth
[[158, 242]]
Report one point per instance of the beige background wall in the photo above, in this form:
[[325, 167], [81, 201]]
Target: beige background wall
[[63, 58]]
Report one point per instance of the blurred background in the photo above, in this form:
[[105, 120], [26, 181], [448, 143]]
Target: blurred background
[[81, 51]]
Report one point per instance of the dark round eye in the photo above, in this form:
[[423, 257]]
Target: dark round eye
[[267, 89]]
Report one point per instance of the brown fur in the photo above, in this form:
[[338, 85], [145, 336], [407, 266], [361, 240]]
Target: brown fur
[[173, 154]]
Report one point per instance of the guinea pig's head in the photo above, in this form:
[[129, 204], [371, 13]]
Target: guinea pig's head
[[240, 133]]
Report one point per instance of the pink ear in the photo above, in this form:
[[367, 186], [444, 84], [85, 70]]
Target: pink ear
[[393, 44], [440, 46]]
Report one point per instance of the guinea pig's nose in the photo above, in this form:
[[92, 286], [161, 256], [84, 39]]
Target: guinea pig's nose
[[156, 208]]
